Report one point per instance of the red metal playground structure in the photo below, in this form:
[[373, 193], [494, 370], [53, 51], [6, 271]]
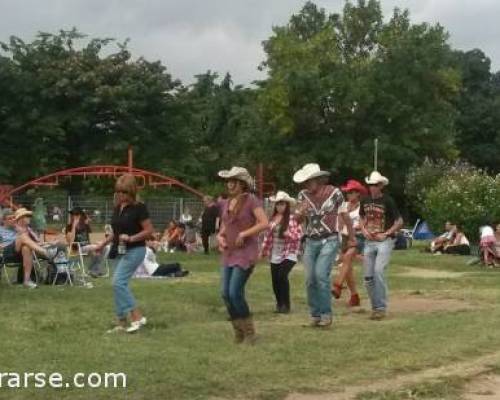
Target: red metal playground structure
[[144, 177]]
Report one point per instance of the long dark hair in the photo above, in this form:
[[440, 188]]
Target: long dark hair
[[285, 221]]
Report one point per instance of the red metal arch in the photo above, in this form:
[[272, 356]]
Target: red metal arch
[[110, 171]]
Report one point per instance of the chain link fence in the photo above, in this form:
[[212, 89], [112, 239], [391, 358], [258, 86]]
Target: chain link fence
[[100, 209]]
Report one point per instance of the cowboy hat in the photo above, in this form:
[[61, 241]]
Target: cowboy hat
[[282, 196], [308, 171], [22, 212], [237, 173], [353, 185], [375, 178]]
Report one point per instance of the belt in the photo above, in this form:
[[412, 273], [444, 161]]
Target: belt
[[323, 236]]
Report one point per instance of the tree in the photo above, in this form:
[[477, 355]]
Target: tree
[[337, 82]]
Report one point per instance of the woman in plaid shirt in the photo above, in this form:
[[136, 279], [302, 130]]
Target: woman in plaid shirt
[[281, 244]]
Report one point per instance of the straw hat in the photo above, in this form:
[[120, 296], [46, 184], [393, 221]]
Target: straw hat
[[22, 212], [282, 196], [353, 185], [239, 173], [308, 171], [375, 178]]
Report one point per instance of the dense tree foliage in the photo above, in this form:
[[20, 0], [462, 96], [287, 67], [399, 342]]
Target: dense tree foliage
[[335, 83]]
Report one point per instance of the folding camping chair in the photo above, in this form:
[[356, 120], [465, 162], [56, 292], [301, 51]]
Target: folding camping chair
[[6, 265]]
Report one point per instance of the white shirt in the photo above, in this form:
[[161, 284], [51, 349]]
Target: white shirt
[[150, 264], [486, 231], [354, 215]]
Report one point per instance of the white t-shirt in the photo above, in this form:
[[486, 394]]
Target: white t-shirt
[[354, 215], [150, 264], [486, 231]]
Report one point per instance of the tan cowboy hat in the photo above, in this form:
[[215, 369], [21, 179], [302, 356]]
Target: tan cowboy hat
[[239, 173], [376, 178], [282, 196], [22, 212], [308, 171]]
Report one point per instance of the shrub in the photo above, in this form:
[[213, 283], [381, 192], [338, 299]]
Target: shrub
[[469, 197]]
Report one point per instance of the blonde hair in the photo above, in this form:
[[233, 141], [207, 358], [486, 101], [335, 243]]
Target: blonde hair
[[127, 183]]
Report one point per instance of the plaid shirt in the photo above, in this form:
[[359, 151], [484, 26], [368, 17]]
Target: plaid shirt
[[291, 237]]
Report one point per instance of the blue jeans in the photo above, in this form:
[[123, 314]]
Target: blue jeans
[[319, 256], [128, 263], [233, 281], [376, 259]]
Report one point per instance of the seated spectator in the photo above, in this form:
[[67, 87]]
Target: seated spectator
[[459, 245], [179, 244], [438, 244], [190, 238], [78, 232], [19, 241], [487, 245], [151, 268], [169, 236], [497, 241]]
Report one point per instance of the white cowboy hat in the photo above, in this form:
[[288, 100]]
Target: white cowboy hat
[[308, 171], [376, 178], [237, 173], [22, 212], [282, 196]]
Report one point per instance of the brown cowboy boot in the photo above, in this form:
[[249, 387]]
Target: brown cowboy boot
[[239, 333], [249, 329]]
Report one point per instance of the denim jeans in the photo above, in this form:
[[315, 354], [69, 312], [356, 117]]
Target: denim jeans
[[376, 259], [319, 256], [127, 264], [233, 281]]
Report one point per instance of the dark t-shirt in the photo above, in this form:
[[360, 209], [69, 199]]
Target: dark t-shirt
[[82, 233], [379, 214], [129, 221], [209, 218]]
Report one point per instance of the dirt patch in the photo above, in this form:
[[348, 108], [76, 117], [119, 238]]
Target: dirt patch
[[403, 304], [483, 387], [462, 369], [412, 272]]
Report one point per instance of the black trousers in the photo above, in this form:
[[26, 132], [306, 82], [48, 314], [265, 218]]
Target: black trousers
[[281, 285], [461, 249], [167, 269], [205, 236]]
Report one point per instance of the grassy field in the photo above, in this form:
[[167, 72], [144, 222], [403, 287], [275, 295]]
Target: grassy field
[[186, 351]]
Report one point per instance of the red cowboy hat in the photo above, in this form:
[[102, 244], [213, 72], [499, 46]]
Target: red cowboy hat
[[353, 185]]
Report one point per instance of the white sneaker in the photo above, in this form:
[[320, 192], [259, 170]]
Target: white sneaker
[[136, 325], [117, 329], [30, 285]]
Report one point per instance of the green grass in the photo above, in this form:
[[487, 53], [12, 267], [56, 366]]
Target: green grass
[[186, 351]]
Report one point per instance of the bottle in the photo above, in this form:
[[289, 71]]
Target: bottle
[[122, 249]]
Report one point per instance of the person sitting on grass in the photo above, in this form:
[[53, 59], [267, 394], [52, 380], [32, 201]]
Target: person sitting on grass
[[487, 245], [22, 245], [497, 241], [78, 233], [169, 237], [460, 244], [438, 244], [151, 268]]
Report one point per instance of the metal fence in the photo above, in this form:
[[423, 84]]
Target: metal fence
[[100, 209]]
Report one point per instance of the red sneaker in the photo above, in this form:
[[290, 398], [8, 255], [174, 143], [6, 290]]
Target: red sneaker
[[354, 301]]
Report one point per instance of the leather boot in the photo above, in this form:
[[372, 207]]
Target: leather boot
[[249, 329], [239, 333]]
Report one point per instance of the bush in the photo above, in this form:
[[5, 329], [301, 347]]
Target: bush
[[469, 197], [422, 178]]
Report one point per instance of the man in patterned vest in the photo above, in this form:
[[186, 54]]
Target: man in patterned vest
[[318, 207]]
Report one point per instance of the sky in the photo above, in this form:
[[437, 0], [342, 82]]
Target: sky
[[193, 36]]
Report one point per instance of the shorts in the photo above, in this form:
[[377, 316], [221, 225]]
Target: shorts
[[360, 243], [10, 255]]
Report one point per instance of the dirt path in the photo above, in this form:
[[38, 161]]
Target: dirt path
[[413, 272], [464, 369]]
